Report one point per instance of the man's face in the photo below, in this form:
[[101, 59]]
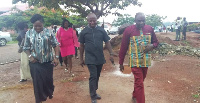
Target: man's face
[[140, 21], [38, 26], [92, 21]]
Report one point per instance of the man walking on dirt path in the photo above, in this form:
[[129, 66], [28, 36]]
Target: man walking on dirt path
[[24, 66], [184, 25], [91, 40], [139, 39]]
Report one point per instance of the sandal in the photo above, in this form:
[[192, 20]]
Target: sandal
[[66, 69]]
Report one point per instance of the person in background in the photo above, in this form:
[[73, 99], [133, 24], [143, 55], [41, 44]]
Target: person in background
[[138, 39], [68, 40], [178, 28], [38, 45], [76, 48], [184, 25], [55, 29], [164, 29], [91, 40], [172, 27], [24, 66]]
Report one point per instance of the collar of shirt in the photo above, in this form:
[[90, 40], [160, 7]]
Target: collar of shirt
[[90, 27]]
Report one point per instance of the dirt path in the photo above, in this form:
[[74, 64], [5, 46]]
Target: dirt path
[[171, 79]]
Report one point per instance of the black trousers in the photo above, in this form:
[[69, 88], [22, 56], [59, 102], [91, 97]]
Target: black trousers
[[42, 75], [60, 58], [95, 71], [76, 52]]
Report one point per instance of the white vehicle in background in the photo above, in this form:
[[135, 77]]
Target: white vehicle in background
[[4, 38], [113, 31]]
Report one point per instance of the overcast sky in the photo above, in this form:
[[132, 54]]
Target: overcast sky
[[169, 8]]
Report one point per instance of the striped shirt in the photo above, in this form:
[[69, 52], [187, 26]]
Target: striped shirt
[[40, 44]]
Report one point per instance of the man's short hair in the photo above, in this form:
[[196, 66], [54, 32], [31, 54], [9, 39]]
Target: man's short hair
[[139, 13], [91, 15]]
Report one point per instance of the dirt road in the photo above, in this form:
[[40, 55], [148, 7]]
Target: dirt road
[[171, 79]]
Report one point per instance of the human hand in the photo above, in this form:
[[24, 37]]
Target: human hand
[[111, 57], [20, 50], [112, 60], [32, 59], [148, 48], [82, 63], [121, 67], [55, 62]]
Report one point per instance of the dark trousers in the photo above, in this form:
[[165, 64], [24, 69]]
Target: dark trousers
[[60, 58], [76, 54], [139, 76], [177, 34], [184, 34], [95, 71], [42, 75]]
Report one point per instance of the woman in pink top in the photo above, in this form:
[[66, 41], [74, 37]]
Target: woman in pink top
[[67, 40]]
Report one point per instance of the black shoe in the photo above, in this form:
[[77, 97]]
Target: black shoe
[[94, 101], [98, 96], [134, 100], [23, 80], [51, 96]]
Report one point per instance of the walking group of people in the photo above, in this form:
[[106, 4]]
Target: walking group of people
[[38, 44], [181, 25]]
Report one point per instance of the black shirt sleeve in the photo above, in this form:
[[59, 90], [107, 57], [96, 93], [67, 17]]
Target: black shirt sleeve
[[106, 38], [81, 38]]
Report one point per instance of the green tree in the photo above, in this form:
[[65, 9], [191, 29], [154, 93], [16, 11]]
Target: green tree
[[83, 7], [126, 18], [51, 16], [154, 20], [78, 21]]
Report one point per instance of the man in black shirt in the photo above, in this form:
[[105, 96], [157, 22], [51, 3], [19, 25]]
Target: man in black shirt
[[91, 40]]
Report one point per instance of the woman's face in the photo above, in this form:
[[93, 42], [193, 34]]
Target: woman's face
[[38, 26], [66, 24]]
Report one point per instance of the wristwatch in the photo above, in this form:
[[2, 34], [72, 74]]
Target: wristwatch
[[57, 57]]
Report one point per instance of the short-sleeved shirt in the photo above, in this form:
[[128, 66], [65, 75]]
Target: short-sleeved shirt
[[93, 39], [40, 44]]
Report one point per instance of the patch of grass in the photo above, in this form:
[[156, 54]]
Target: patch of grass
[[12, 42], [195, 96]]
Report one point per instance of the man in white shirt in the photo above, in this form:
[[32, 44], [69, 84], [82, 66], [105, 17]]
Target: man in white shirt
[[178, 28]]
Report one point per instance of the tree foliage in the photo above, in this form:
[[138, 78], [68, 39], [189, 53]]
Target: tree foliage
[[124, 19], [154, 20], [51, 16], [83, 7]]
